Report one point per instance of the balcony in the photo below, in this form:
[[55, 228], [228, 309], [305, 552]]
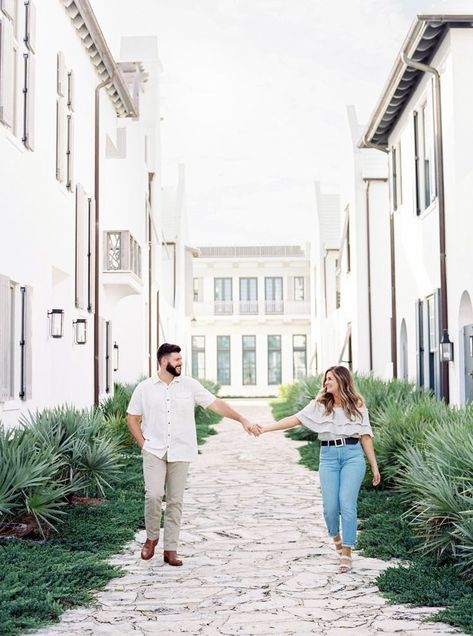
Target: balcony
[[121, 263], [253, 308]]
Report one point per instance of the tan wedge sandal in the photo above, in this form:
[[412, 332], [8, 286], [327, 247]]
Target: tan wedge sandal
[[345, 564], [338, 545]]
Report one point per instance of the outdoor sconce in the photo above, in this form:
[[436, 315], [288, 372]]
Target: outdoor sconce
[[80, 331], [116, 352], [446, 348], [56, 323]]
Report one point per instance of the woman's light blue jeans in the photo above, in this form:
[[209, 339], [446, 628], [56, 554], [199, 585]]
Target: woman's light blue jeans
[[341, 471]]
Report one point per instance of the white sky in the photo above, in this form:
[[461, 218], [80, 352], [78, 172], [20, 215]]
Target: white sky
[[254, 96]]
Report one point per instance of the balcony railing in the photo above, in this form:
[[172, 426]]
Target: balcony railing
[[253, 308], [122, 253]]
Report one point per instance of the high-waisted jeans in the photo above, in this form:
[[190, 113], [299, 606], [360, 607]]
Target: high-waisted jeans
[[341, 471]]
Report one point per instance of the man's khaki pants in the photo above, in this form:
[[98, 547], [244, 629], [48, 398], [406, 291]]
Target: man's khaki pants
[[162, 477]]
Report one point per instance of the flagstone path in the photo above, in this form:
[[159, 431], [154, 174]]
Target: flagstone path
[[256, 558]]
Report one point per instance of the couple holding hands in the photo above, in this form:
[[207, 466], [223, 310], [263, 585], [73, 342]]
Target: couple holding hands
[[161, 419]]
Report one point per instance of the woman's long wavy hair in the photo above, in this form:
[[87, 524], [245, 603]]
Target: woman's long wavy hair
[[351, 400]]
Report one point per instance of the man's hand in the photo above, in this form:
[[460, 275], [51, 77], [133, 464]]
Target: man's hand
[[252, 429]]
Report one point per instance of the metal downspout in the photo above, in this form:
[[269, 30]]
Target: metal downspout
[[98, 88], [150, 275], [425, 68]]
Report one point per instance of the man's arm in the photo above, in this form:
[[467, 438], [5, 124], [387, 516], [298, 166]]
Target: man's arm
[[225, 410], [134, 427]]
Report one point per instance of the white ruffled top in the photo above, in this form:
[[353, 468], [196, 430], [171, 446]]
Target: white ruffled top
[[335, 425]]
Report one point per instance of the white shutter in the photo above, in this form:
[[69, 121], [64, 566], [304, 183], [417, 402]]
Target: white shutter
[[108, 357], [5, 338], [70, 90], [70, 152], [30, 72], [91, 257], [102, 336], [81, 248], [61, 74], [8, 8], [60, 140], [30, 26], [290, 288], [28, 370], [7, 70]]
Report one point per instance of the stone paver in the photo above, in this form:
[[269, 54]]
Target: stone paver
[[256, 558]]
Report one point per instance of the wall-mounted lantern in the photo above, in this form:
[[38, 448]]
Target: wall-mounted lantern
[[80, 331], [116, 356], [56, 323], [446, 348]]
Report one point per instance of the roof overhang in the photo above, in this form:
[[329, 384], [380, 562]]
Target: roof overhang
[[89, 31], [421, 44]]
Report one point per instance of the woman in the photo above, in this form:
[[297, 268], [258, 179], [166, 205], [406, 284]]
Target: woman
[[339, 416]]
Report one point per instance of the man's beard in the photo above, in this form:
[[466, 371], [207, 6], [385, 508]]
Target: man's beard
[[172, 370]]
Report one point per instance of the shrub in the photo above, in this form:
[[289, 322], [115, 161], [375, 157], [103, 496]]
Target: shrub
[[117, 404]]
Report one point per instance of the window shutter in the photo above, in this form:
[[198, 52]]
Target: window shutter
[[29, 90], [60, 74], [102, 336], [28, 369], [7, 67], [108, 357], [69, 152], [8, 8], [91, 256], [5, 338], [60, 154], [30, 26], [70, 90], [81, 248], [290, 288]]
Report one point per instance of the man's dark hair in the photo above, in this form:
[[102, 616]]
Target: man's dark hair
[[166, 349]]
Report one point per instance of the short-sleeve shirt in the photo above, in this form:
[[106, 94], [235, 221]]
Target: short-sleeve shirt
[[167, 412], [336, 424]]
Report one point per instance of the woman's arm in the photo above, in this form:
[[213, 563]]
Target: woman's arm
[[286, 422], [368, 447]]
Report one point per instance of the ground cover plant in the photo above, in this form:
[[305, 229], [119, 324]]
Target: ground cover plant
[[39, 580], [423, 512]]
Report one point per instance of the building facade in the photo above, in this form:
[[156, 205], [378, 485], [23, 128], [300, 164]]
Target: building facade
[[422, 122], [81, 209], [250, 329]]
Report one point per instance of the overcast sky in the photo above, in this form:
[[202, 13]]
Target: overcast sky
[[254, 96]]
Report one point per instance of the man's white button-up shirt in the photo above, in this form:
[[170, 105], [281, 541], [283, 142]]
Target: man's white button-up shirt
[[167, 412]]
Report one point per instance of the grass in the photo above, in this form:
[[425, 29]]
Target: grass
[[39, 581]]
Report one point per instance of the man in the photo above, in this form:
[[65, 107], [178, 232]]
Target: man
[[161, 419]]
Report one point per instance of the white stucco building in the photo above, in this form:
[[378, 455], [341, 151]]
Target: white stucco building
[[82, 209], [423, 122], [251, 317]]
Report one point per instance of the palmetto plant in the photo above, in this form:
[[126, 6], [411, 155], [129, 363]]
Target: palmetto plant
[[29, 480]]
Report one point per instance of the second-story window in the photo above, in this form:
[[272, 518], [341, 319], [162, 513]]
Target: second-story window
[[273, 295], [426, 187], [223, 295], [298, 288], [248, 295], [64, 123]]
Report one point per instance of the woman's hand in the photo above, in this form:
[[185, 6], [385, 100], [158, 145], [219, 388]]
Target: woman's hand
[[376, 476]]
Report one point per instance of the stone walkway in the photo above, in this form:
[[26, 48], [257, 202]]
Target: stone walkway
[[256, 558]]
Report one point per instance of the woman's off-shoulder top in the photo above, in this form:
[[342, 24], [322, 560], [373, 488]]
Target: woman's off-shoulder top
[[335, 425]]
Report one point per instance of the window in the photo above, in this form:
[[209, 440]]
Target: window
[[248, 295], [273, 294], [426, 187], [197, 291], [298, 288], [348, 244], [122, 253], [15, 340], [223, 360], [249, 359], [396, 176], [64, 122], [274, 359], [299, 356], [198, 357], [223, 296], [108, 357], [17, 68]]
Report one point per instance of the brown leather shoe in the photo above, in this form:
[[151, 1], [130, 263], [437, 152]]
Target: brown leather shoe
[[170, 556], [147, 551]]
